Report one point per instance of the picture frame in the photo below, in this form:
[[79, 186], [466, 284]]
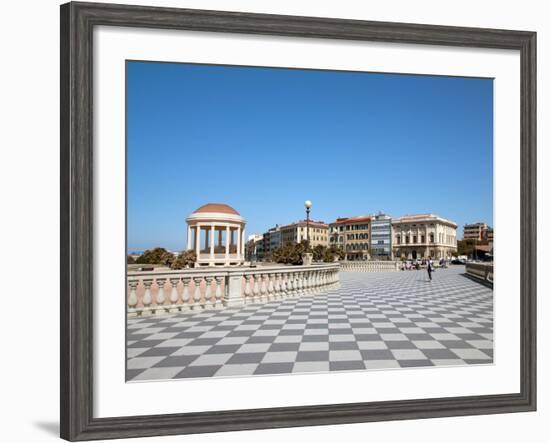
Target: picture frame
[[77, 217]]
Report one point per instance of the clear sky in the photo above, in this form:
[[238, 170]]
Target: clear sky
[[263, 140]]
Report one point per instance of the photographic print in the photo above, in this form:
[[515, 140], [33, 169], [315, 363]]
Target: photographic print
[[286, 221]]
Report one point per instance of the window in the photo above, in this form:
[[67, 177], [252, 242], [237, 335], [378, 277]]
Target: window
[[407, 239], [415, 239], [432, 237], [422, 239]]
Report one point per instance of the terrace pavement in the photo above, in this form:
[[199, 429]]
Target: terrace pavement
[[372, 321]]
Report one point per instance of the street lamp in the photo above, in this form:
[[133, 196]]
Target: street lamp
[[307, 205]]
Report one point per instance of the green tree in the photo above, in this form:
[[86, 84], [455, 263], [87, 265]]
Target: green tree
[[319, 252], [332, 253], [156, 256], [184, 260], [130, 260], [290, 253]]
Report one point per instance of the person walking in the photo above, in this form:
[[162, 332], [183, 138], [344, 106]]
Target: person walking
[[429, 268]]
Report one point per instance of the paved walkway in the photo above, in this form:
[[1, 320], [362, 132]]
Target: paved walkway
[[373, 321]]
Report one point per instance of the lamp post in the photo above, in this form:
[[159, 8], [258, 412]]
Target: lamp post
[[307, 205]]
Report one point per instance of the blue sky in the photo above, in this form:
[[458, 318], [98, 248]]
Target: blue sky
[[263, 140]]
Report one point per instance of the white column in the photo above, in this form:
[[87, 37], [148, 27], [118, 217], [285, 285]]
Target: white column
[[227, 235], [238, 243], [243, 243], [197, 240], [188, 237], [212, 244]]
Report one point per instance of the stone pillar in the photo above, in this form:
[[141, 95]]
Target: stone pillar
[[188, 237], [243, 245], [235, 289], [238, 243], [212, 231], [197, 240], [227, 235]]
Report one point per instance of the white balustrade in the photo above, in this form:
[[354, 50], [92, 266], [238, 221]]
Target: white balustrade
[[215, 288], [370, 266]]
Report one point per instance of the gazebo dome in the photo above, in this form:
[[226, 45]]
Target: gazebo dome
[[215, 231], [221, 208]]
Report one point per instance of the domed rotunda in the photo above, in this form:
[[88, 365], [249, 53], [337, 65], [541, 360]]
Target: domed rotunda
[[215, 232]]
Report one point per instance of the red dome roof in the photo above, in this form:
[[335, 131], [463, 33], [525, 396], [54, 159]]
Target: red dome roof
[[217, 207]]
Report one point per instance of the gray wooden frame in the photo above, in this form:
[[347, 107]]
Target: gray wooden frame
[[77, 24]]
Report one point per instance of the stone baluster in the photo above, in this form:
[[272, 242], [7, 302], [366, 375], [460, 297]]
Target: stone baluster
[[248, 289], [256, 290], [174, 296], [208, 302], [299, 286], [277, 285], [263, 289], [284, 285], [270, 286], [315, 281], [197, 296], [219, 293], [185, 295], [307, 282], [132, 297], [291, 284], [147, 300], [160, 296]]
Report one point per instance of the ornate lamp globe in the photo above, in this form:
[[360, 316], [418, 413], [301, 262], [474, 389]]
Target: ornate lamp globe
[[308, 204]]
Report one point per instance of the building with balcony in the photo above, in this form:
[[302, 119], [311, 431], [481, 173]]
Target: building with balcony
[[352, 234], [216, 233], [297, 232], [423, 236]]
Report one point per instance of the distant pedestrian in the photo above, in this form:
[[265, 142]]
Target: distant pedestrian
[[429, 268]]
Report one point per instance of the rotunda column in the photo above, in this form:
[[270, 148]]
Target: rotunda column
[[212, 230], [227, 237], [197, 240], [238, 239], [188, 236]]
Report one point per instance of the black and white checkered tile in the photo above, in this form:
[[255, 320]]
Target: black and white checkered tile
[[373, 321]]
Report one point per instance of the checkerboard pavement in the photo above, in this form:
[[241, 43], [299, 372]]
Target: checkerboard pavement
[[372, 321]]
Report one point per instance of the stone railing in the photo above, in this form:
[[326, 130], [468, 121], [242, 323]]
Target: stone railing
[[481, 271], [370, 266], [158, 292]]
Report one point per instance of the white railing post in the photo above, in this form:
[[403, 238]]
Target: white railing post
[[160, 295], [256, 290], [270, 286], [185, 305], [248, 290], [132, 298], [219, 293], [197, 296], [235, 289], [174, 295], [147, 300], [208, 302], [263, 290]]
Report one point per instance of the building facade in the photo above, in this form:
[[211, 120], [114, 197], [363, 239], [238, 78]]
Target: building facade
[[297, 232], [477, 231], [251, 253], [381, 237], [423, 236], [352, 234]]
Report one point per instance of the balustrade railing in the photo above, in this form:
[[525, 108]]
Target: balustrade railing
[[158, 292], [482, 271], [370, 266]]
